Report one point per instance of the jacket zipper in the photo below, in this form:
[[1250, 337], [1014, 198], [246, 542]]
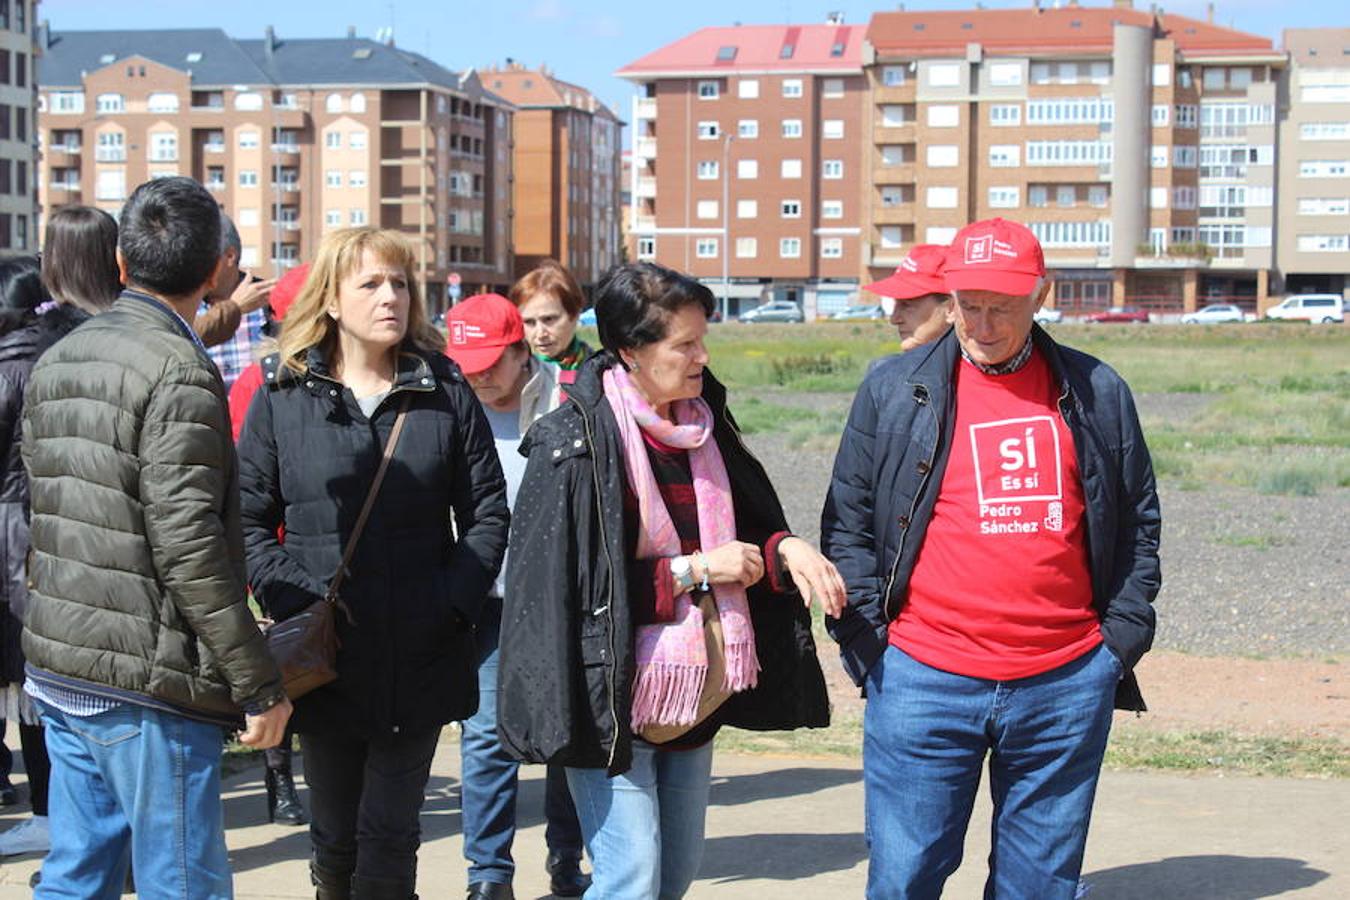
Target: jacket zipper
[[609, 605], [920, 397]]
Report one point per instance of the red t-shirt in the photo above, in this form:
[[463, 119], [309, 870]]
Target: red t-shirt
[[1001, 588]]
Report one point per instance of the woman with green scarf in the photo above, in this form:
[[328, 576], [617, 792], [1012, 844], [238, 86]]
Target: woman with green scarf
[[550, 302]]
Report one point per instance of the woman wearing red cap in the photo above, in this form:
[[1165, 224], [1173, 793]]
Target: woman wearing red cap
[[359, 374], [915, 297]]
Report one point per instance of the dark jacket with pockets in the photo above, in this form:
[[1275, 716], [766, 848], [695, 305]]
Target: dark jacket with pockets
[[889, 470], [567, 640], [429, 552]]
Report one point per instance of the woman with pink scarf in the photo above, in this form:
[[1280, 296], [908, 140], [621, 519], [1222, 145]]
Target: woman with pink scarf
[[640, 517]]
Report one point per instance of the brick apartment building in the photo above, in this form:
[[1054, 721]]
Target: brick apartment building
[[746, 162], [567, 164], [295, 137], [18, 87], [1313, 248], [1141, 147]]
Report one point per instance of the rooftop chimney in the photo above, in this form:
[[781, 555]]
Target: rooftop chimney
[[834, 17], [351, 32], [1209, 13], [269, 41], [1123, 4]]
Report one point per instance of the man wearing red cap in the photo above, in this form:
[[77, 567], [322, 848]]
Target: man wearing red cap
[[487, 341], [994, 513], [915, 297]]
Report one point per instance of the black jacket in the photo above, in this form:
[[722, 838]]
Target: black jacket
[[19, 350], [890, 466], [307, 457], [567, 657]]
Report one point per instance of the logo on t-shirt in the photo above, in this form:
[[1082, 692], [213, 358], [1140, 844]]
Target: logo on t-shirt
[[1018, 479]]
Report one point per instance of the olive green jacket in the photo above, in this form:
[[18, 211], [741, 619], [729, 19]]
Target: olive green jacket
[[136, 574]]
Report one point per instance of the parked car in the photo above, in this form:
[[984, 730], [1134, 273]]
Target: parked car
[[1045, 316], [1118, 314], [774, 311], [870, 311], [1214, 314], [1310, 308]]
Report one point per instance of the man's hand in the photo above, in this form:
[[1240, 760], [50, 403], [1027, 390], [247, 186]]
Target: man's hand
[[266, 729], [250, 294], [814, 575]]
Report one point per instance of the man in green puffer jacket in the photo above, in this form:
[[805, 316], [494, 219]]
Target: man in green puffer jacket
[[141, 648]]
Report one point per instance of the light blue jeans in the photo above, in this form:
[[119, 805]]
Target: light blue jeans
[[134, 784], [644, 829]]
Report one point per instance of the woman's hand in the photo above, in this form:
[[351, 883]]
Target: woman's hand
[[814, 575], [735, 562]]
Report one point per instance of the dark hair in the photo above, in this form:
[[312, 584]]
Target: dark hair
[[79, 258], [229, 237], [21, 292], [635, 301], [170, 236], [549, 277]]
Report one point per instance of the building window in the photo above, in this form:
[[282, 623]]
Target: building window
[[1005, 114], [1098, 195], [1005, 74], [1004, 197], [708, 131], [1072, 234], [747, 209], [1324, 131], [1186, 115], [832, 209], [747, 168], [358, 102], [248, 101], [790, 168], [942, 197], [792, 87], [1071, 111], [1160, 115], [748, 89], [356, 217], [356, 178], [646, 248], [333, 140], [747, 129], [792, 128], [792, 209], [832, 129], [162, 103], [333, 103], [943, 156], [1068, 153], [746, 248], [1184, 157], [248, 178], [163, 147], [248, 140], [1038, 196], [896, 155], [944, 74], [708, 90], [707, 169], [111, 147], [110, 103], [944, 116], [1158, 157], [1066, 195], [891, 237], [706, 209], [1157, 198], [1324, 206], [111, 185], [706, 248], [939, 234], [1322, 243], [332, 178], [832, 168], [831, 248], [67, 102], [1162, 74], [893, 115], [832, 87], [1324, 168], [893, 76], [790, 248]]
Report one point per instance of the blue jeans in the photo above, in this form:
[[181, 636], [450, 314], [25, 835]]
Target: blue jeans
[[644, 828], [489, 777], [926, 734], [134, 785]]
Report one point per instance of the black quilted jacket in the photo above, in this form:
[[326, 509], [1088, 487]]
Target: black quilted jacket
[[567, 663]]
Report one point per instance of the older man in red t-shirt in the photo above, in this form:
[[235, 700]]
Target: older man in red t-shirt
[[994, 512]]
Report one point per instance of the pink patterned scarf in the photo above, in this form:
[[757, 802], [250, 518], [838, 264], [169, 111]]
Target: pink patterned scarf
[[672, 660]]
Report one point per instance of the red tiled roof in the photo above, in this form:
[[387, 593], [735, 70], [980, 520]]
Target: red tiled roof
[[536, 88], [1067, 29], [758, 47]]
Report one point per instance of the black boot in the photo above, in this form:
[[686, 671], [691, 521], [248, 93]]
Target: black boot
[[364, 888], [564, 872], [329, 884], [283, 801]]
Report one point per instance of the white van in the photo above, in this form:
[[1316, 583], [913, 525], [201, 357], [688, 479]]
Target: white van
[[1310, 307]]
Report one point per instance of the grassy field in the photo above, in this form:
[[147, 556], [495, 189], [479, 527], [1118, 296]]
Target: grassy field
[[1264, 406]]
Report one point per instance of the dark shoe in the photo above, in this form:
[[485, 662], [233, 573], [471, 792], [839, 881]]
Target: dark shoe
[[9, 795], [283, 801], [330, 885], [565, 876], [490, 890]]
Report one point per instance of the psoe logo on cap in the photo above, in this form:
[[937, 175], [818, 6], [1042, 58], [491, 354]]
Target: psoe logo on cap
[[979, 250], [457, 333]]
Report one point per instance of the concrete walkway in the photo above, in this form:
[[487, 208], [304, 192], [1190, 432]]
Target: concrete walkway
[[793, 827]]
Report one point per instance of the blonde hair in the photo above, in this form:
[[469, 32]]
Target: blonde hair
[[307, 323]]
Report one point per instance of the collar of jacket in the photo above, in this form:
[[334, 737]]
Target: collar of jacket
[[589, 390], [137, 300], [415, 372], [938, 361]]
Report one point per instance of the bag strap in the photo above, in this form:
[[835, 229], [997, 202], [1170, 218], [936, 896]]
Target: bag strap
[[350, 550]]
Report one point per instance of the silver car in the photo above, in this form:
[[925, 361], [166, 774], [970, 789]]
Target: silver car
[[774, 311]]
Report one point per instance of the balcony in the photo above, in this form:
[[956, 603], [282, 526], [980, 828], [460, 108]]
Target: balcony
[[72, 187], [645, 108], [286, 147], [213, 148], [896, 214], [645, 224], [286, 224], [217, 185], [646, 187], [286, 187], [644, 147], [110, 154], [69, 149]]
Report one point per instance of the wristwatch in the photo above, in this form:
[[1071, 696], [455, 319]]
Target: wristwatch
[[683, 569]]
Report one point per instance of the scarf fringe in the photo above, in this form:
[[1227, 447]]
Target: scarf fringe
[[742, 667], [667, 694]]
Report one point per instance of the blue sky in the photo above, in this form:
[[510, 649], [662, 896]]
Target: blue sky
[[583, 41]]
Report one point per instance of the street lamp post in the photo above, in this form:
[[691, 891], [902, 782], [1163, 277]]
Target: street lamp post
[[726, 229]]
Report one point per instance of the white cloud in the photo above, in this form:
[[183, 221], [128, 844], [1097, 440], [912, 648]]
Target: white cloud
[[547, 11]]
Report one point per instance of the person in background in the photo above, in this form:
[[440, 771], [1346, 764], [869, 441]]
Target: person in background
[[357, 355], [29, 323], [994, 512], [79, 259], [233, 317], [487, 341], [136, 573], [550, 302], [642, 516], [915, 298]]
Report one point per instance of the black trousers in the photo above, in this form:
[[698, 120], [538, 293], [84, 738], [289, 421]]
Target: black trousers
[[365, 802], [35, 763]]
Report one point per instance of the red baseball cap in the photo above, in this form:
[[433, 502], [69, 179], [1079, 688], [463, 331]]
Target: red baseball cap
[[481, 328], [286, 289], [994, 255], [919, 275]]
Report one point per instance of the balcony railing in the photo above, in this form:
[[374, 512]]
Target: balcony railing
[[65, 185], [111, 154], [286, 225], [164, 156], [646, 108], [215, 185], [214, 147], [72, 149], [286, 147], [645, 147]]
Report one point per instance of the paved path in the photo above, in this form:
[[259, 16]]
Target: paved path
[[793, 827]]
